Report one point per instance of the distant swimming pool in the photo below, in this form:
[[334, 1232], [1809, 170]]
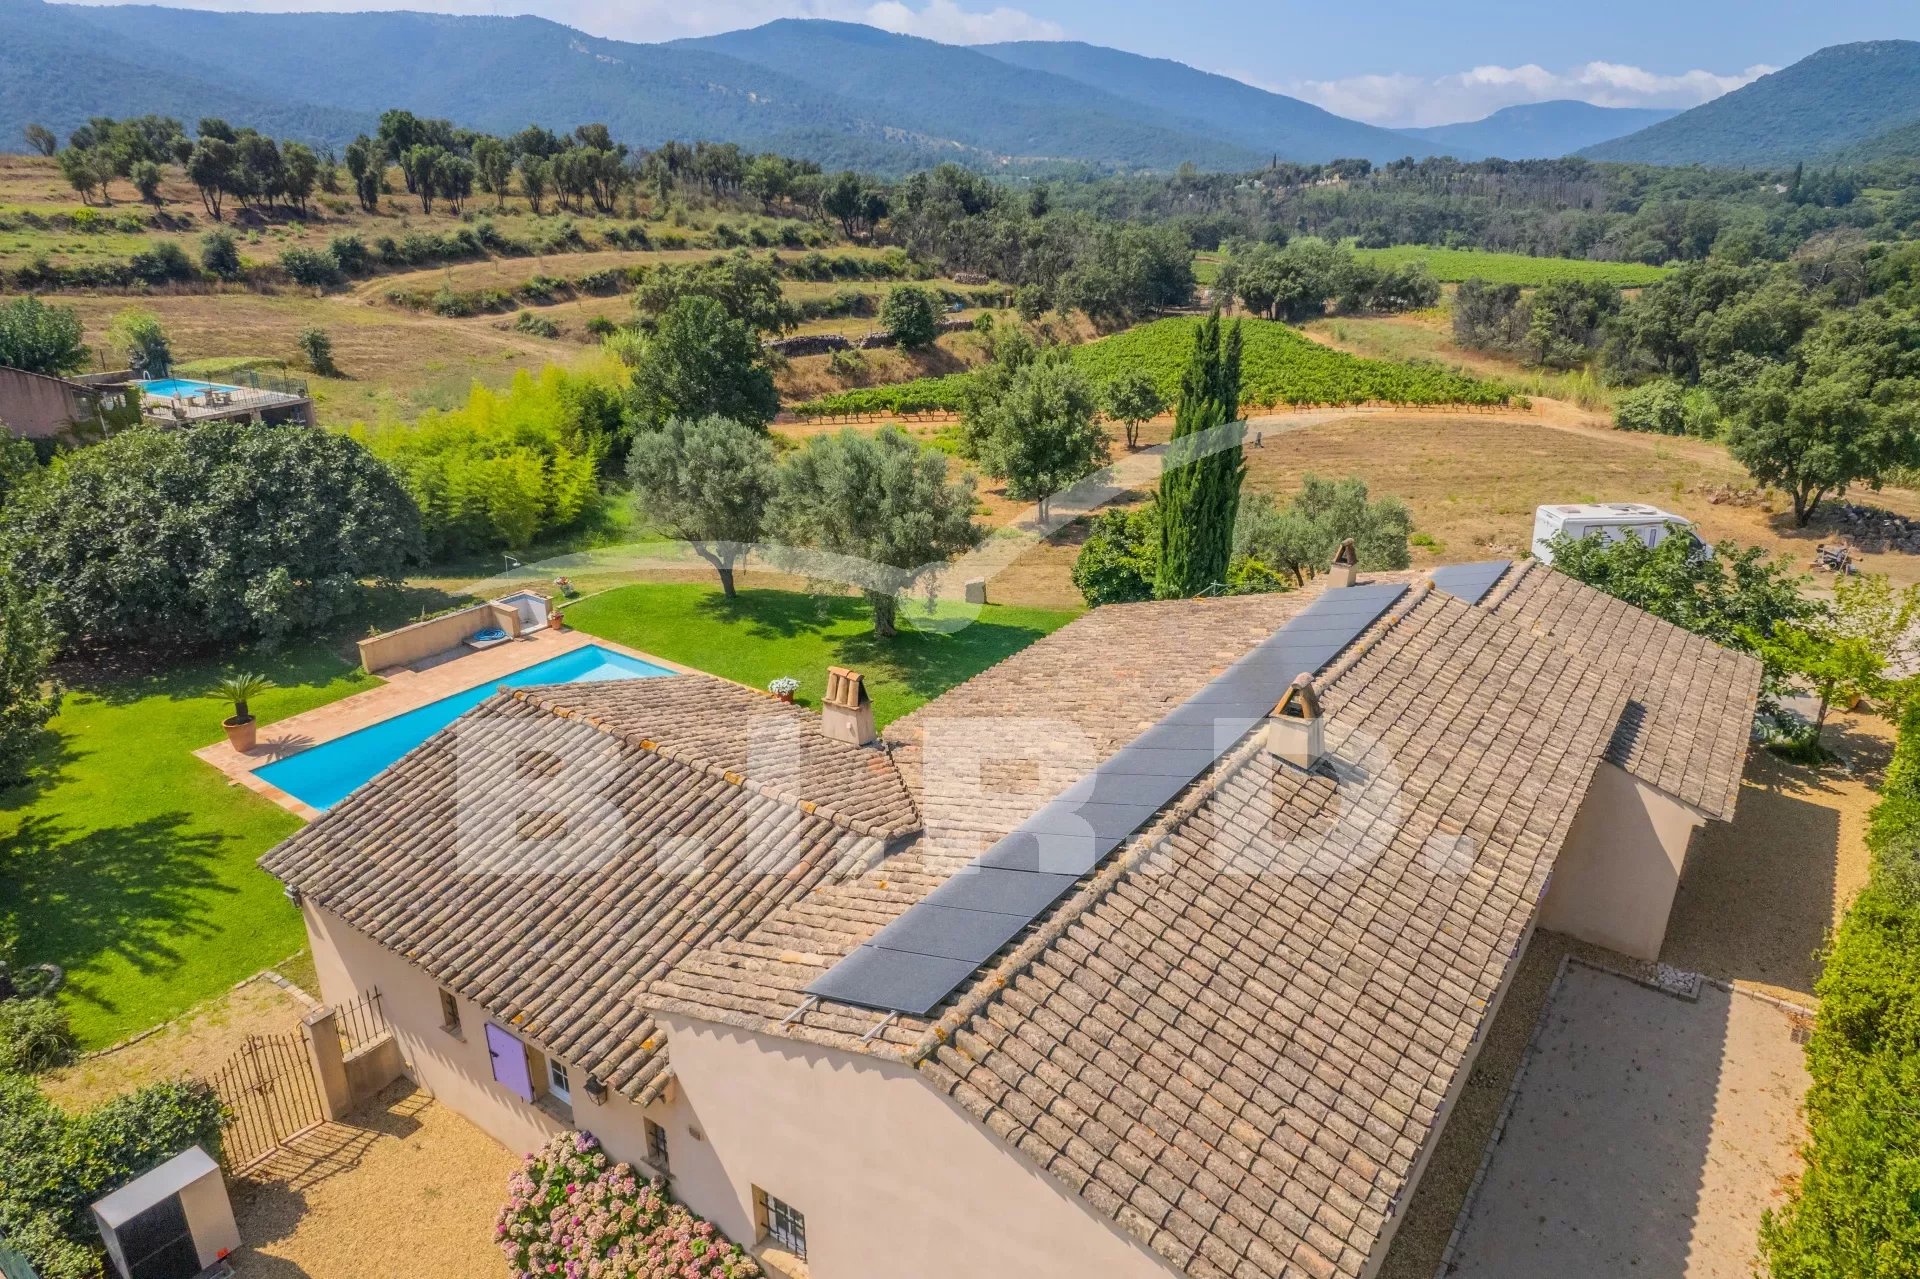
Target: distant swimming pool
[[168, 387], [326, 774]]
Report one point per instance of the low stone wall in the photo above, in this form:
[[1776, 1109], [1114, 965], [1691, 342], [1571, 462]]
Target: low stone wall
[[371, 1067], [822, 343], [421, 640]]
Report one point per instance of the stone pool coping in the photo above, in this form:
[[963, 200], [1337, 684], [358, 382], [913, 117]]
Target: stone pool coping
[[406, 688]]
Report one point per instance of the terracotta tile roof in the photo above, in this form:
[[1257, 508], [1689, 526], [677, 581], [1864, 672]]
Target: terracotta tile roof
[[1691, 716], [1233, 1038], [678, 811]]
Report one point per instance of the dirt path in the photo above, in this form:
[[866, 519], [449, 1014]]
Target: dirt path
[[198, 1043]]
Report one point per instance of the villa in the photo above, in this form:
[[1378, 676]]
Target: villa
[[1161, 948]]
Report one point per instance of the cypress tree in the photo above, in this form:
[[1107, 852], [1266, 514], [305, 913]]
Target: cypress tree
[[1200, 483]]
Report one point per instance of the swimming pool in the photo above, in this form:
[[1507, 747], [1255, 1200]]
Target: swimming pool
[[324, 775], [167, 388]]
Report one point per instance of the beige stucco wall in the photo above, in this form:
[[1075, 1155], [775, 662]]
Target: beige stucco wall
[[38, 407], [1614, 882], [456, 1069], [892, 1177], [410, 644]]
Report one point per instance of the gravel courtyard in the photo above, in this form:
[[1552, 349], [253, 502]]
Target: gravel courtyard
[[1648, 1135]]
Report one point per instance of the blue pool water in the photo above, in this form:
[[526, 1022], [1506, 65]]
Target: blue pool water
[[326, 774], [168, 387]]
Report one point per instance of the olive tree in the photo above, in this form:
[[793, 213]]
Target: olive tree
[[1131, 398], [706, 481], [879, 500], [1040, 433]]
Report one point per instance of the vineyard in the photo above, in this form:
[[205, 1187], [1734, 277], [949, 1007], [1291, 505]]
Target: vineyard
[[1278, 367], [1450, 266]]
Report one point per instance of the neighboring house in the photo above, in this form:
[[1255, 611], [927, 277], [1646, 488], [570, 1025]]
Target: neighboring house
[[1225, 1047], [34, 406], [37, 406]]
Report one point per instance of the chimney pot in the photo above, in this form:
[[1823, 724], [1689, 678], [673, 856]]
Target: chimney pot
[[846, 713], [1295, 732]]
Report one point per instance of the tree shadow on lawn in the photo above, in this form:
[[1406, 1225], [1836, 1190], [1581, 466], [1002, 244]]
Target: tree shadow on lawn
[[925, 663], [73, 896]]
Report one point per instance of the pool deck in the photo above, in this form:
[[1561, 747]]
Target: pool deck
[[406, 688]]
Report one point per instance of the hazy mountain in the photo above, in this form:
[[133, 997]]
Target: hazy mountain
[[1269, 123], [497, 74], [1837, 98], [929, 87], [1539, 130], [56, 70]]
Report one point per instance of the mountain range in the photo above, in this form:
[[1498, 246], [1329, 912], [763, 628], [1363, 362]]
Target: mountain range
[[1539, 130], [1843, 99], [847, 95]]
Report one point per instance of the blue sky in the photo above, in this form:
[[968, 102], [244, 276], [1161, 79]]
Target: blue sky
[[1388, 61]]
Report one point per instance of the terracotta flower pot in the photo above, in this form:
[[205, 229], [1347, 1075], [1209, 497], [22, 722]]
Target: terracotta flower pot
[[785, 697], [242, 732], [556, 620]]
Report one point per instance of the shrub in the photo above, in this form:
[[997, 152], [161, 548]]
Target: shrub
[[508, 466], [538, 325], [34, 1036], [1852, 1212], [162, 262], [1118, 561], [58, 1164], [220, 254], [314, 268], [1660, 407], [318, 349], [175, 539], [350, 252], [571, 1211], [910, 317]]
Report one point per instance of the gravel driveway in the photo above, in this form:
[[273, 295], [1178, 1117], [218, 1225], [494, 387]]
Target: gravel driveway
[[1647, 1136]]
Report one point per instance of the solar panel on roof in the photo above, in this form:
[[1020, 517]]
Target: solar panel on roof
[[1470, 582], [949, 932], [920, 958]]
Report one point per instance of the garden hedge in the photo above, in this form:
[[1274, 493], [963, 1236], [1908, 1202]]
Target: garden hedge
[[1856, 1212]]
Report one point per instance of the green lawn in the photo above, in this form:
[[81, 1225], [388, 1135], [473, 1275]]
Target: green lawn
[[131, 863], [762, 635]]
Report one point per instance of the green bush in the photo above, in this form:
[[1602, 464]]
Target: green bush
[[1117, 562], [161, 263], [509, 466], [314, 268], [226, 533], [1854, 1211], [910, 317], [34, 1036], [1659, 407], [220, 254], [58, 1164]]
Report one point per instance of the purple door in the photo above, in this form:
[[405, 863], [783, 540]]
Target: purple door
[[509, 1063]]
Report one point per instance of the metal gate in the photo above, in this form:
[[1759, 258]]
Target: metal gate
[[271, 1096]]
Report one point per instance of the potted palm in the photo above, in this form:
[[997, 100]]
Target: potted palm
[[241, 688]]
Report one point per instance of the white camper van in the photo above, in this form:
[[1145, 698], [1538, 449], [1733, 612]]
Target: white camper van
[[1613, 521]]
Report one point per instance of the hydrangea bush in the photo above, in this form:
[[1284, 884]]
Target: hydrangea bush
[[572, 1213]]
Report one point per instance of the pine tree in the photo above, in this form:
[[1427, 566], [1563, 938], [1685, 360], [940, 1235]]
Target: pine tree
[[1200, 485]]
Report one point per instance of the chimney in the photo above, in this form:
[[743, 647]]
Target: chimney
[[1346, 565], [1294, 733], [846, 715]]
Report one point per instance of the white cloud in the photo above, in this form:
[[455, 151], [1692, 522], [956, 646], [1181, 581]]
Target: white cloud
[[1407, 100], [648, 20]]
